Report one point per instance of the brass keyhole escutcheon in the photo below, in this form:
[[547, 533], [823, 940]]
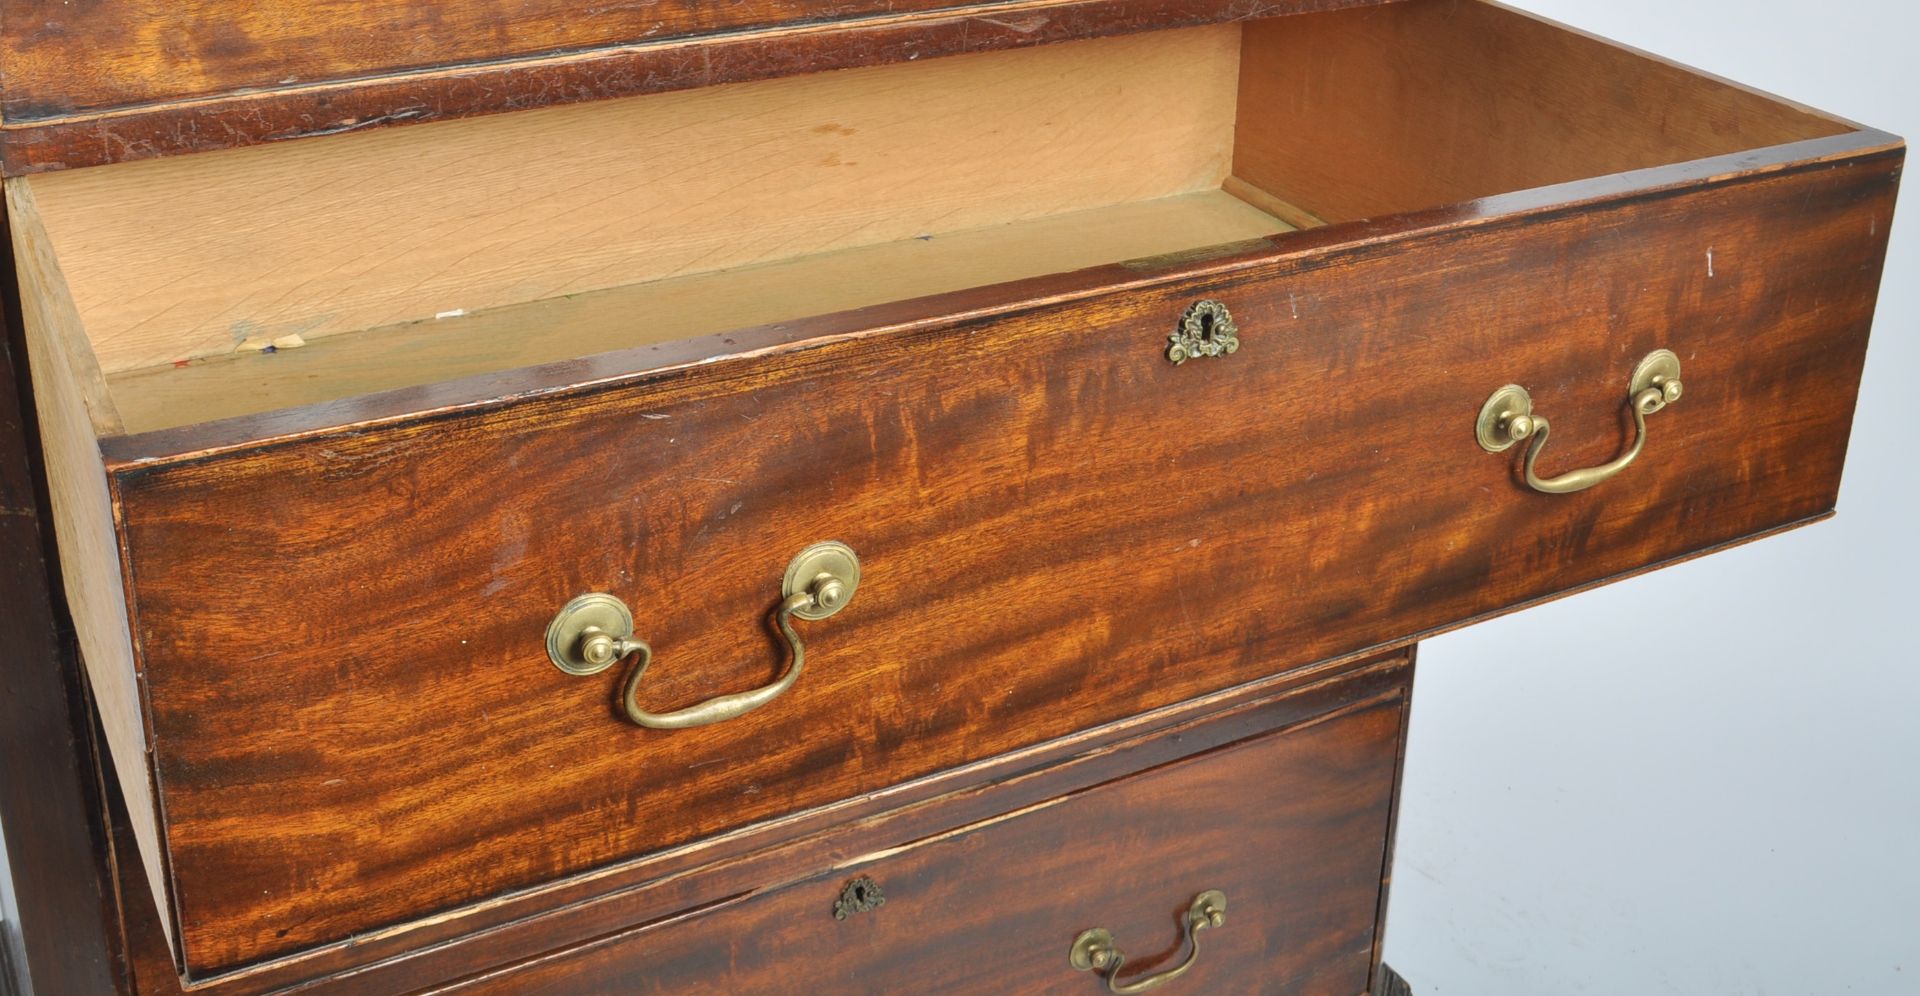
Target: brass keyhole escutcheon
[[1206, 329], [862, 895]]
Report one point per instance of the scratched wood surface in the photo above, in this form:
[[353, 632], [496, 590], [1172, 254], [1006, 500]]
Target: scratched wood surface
[[121, 80], [354, 722]]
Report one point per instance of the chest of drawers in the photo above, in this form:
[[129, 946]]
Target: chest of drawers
[[901, 499]]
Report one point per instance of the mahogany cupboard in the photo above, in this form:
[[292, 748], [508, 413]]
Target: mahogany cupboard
[[889, 497]]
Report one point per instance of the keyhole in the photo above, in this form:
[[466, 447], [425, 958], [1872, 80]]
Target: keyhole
[[860, 893], [1206, 328]]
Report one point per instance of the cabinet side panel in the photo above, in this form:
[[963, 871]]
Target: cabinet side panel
[[62, 930]]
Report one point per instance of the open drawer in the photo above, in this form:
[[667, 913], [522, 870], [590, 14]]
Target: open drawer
[[336, 428]]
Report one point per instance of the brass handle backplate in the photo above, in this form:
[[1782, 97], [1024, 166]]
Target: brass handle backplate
[[1094, 950], [1507, 418], [594, 631]]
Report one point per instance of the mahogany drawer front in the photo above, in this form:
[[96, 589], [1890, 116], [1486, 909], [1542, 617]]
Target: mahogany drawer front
[[318, 631], [1292, 827]]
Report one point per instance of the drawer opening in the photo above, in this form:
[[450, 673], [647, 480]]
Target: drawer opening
[[234, 283]]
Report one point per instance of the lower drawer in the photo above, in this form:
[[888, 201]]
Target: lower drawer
[[1290, 828]]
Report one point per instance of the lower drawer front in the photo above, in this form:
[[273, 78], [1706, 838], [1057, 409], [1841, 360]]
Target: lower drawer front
[[1291, 827]]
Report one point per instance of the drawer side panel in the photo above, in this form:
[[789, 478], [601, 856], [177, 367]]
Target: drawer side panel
[[69, 400], [1445, 102]]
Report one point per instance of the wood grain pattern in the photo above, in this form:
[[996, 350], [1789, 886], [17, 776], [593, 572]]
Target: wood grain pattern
[[527, 927], [1291, 826], [1363, 113], [350, 785], [136, 79], [197, 257]]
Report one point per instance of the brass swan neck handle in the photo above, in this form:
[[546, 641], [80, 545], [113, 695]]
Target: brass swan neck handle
[[595, 631], [1507, 418], [1095, 951]]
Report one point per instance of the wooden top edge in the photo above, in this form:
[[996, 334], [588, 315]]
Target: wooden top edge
[[567, 379], [33, 142]]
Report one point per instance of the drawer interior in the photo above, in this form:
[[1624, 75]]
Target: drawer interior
[[206, 287]]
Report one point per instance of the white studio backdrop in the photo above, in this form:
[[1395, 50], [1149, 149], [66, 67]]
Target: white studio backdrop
[[1705, 780]]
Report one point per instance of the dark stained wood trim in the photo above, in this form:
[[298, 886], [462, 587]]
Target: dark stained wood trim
[[1381, 971], [50, 808], [33, 144], [1391, 984], [579, 378], [8, 987]]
